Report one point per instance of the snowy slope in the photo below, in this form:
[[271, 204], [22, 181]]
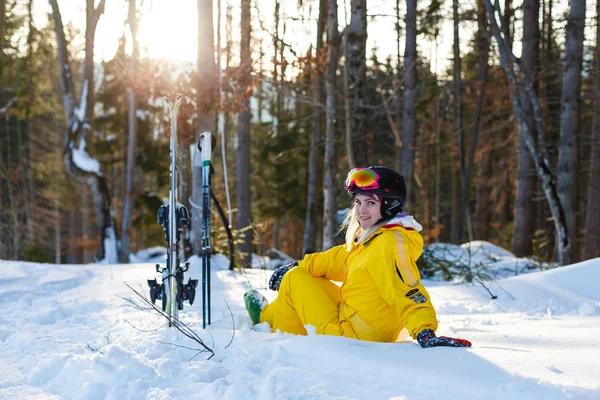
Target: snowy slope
[[67, 333]]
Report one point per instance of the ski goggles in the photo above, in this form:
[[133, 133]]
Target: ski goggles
[[362, 178]]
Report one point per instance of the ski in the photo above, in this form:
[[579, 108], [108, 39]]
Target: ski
[[173, 218], [206, 144]]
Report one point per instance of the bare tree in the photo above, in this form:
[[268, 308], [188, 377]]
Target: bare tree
[[511, 66], [483, 49], [526, 179], [206, 90], [458, 119], [410, 93], [244, 218], [355, 49], [329, 198], [309, 242], [399, 105], [78, 126], [569, 119], [592, 232], [2, 27], [132, 118]]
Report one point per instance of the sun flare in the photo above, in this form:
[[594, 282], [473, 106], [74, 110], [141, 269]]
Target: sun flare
[[167, 30]]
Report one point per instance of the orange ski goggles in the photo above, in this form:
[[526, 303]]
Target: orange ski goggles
[[362, 178]]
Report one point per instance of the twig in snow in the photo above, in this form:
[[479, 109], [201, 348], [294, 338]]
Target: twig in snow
[[176, 322], [93, 349], [233, 322], [494, 297], [136, 305], [198, 351], [145, 330], [505, 291]]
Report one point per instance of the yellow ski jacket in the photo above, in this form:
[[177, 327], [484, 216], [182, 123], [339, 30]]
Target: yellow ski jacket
[[381, 286]]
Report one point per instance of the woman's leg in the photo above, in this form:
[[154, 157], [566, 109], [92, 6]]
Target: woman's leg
[[304, 299]]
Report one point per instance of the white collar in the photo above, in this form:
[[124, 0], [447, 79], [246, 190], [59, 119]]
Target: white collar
[[407, 222]]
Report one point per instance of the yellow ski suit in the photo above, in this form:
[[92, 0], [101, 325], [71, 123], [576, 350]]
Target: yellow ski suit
[[381, 290]]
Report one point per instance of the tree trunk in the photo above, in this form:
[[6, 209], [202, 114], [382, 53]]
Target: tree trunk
[[526, 178], [356, 40], [205, 106], [77, 124], [399, 103], [510, 64], [244, 218], [57, 215], [569, 120], [550, 90], [132, 118], [592, 232], [484, 209], [276, 95], [329, 197], [309, 243], [348, 109], [410, 94], [483, 49], [29, 180], [459, 123], [507, 21], [2, 28]]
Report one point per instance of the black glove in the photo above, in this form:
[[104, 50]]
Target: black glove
[[427, 338], [278, 274]]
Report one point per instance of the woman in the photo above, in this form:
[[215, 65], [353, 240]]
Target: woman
[[381, 291]]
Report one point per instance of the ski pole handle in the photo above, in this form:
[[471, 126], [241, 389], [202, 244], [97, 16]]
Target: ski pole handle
[[205, 146]]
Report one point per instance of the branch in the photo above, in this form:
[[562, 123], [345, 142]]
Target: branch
[[87, 345], [233, 322], [177, 323], [510, 64], [145, 330], [97, 13], [494, 297], [8, 105]]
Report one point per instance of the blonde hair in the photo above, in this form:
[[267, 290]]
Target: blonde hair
[[355, 235]]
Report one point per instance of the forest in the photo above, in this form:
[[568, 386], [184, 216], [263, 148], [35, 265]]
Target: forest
[[490, 109]]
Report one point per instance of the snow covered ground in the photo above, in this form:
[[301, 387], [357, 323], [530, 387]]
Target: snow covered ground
[[67, 333]]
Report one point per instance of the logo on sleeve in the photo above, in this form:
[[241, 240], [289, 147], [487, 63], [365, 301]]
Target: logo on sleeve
[[416, 296]]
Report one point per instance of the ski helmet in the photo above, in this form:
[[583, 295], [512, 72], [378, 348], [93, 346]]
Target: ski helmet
[[384, 184]]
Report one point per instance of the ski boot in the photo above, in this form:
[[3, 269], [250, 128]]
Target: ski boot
[[255, 303]]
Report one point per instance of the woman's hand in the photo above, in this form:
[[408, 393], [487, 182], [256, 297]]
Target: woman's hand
[[278, 274], [427, 338]]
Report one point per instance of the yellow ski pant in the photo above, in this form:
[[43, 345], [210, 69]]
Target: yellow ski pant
[[304, 299]]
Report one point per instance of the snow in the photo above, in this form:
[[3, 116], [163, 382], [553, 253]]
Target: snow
[[82, 109], [481, 256], [83, 160], [110, 247], [156, 254], [66, 331]]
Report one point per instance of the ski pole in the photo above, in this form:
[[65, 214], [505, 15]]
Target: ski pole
[[206, 144]]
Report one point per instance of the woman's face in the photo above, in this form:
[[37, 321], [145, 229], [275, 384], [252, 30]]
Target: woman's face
[[368, 210]]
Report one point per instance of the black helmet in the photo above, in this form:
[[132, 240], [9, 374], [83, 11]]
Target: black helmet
[[381, 182]]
